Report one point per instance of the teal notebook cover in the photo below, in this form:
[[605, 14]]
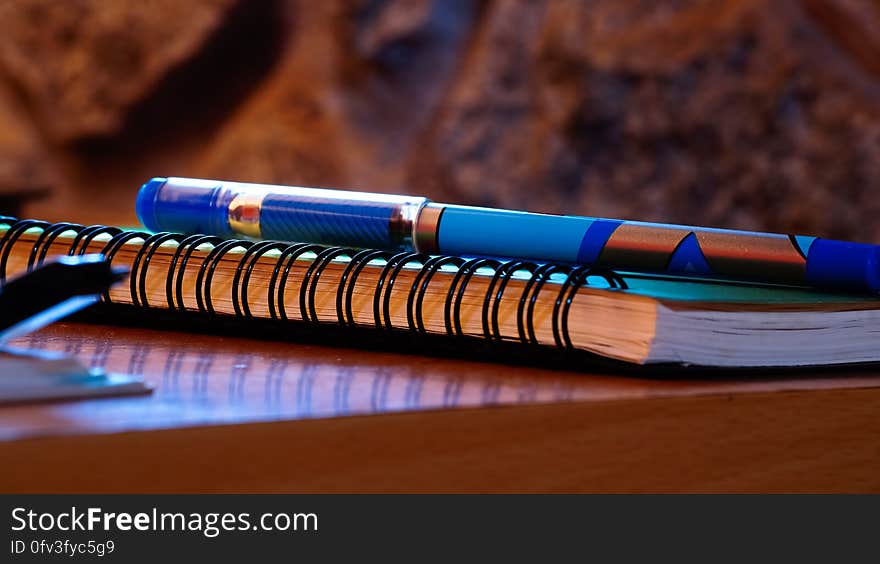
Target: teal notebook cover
[[670, 288]]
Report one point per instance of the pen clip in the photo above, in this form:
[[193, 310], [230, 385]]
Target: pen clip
[[53, 291], [47, 316]]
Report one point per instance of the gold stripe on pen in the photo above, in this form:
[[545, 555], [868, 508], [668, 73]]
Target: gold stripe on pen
[[636, 246], [244, 213], [767, 256]]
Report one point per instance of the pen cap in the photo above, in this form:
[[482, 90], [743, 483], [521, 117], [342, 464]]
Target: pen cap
[[284, 213], [194, 206], [844, 265]]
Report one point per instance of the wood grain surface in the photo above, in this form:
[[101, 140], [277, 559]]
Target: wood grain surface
[[240, 414]]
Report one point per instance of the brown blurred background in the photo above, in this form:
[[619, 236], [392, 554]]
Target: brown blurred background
[[737, 113]]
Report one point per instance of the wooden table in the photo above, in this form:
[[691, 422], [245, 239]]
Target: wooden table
[[237, 414]]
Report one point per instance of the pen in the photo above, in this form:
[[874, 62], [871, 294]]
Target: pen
[[393, 222]]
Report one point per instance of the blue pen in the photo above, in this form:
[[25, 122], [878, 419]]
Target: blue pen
[[366, 220]]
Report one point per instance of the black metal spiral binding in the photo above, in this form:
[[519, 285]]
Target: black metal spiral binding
[[290, 254], [310, 279], [424, 276], [525, 314], [86, 235], [137, 279], [392, 268], [15, 231], [174, 281], [577, 278], [243, 274], [141, 271], [506, 271], [186, 246], [349, 276], [452, 310], [44, 241], [206, 273]]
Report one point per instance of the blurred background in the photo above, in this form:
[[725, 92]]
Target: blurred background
[[733, 113]]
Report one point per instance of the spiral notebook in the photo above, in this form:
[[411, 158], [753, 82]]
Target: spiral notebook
[[630, 317]]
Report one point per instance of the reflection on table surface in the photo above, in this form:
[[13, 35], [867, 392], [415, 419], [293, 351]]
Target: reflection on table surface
[[204, 379]]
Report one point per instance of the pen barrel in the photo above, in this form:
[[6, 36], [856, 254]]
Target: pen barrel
[[651, 247]]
